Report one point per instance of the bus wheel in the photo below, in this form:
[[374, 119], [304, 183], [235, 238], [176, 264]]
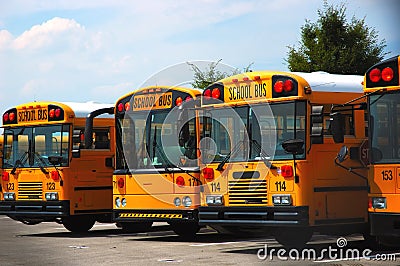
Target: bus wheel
[[185, 229], [293, 237], [78, 224], [135, 227]]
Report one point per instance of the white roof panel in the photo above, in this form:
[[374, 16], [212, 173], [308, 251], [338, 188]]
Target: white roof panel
[[322, 81]]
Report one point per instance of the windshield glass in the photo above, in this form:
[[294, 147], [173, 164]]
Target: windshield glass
[[33, 145], [385, 127], [149, 140], [242, 133]]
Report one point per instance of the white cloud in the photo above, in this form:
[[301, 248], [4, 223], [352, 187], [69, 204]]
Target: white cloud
[[40, 36], [5, 39]]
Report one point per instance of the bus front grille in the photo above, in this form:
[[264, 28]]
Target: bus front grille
[[248, 192], [30, 191]]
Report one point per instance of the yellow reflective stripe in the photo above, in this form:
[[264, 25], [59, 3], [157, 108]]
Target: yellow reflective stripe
[[150, 215]]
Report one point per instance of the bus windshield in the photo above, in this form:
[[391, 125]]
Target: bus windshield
[[243, 134], [385, 127], [31, 146], [147, 140]]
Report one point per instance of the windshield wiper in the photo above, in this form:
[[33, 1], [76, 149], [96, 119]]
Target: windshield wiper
[[229, 155], [166, 162], [21, 161], [40, 162], [264, 155]]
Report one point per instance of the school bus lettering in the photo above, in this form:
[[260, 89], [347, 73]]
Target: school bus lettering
[[33, 115], [152, 101], [260, 90], [165, 100], [249, 91]]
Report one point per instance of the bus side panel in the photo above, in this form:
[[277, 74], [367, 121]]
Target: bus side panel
[[339, 195]]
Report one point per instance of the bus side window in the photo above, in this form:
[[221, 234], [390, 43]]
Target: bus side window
[[101, 139]]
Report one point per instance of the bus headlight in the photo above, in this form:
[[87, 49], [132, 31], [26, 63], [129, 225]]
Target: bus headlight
[[187, 201], [214, 200], [282, 200], [177, 202], [51, 195], [9, 196], [117, 202], [123, 202], [379, 203]]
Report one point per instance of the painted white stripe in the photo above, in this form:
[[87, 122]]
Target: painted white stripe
[[212, 244]]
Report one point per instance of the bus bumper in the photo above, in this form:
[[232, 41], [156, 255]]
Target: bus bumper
[[34, 208], [155, 215], [254, 216], [385, 224]]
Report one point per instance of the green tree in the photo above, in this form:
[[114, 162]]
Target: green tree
[[334, 45], [203, 78]]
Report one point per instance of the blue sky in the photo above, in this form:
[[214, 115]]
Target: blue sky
[[62, 50]]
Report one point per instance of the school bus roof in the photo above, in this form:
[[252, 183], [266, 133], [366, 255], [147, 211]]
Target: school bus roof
[[83, 109], [194, 92], [318, 81], [80, 109], [322, 81]]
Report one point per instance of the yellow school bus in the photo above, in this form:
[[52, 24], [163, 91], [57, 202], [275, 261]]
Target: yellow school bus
[[52, 171], [268, 156], [157, 176], [382, 88]]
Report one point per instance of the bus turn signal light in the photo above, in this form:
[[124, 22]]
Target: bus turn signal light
[[286, 170], [121, 183], [208, 174], [55, 175], [180, 181], [5, 176]]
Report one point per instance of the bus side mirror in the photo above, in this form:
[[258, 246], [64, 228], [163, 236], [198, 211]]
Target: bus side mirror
[[341, 156], [293, 146], [76, 143], [55, 160], [317, 119], [337, 127]]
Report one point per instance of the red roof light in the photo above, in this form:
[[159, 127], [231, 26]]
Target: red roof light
[[278, 86], [387, 74], [216, 93], [375, 75]]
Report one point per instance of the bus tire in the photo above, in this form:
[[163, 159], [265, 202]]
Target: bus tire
[[135, 227], [185, 229], [78, 223], [293, 237]]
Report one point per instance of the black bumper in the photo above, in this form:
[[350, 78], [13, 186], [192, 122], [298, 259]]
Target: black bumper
[[155, 215], [254, 216], [385, 224], [34, 209]]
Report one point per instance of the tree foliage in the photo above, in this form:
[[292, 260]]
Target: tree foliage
[[334, 45], [203, 78]]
